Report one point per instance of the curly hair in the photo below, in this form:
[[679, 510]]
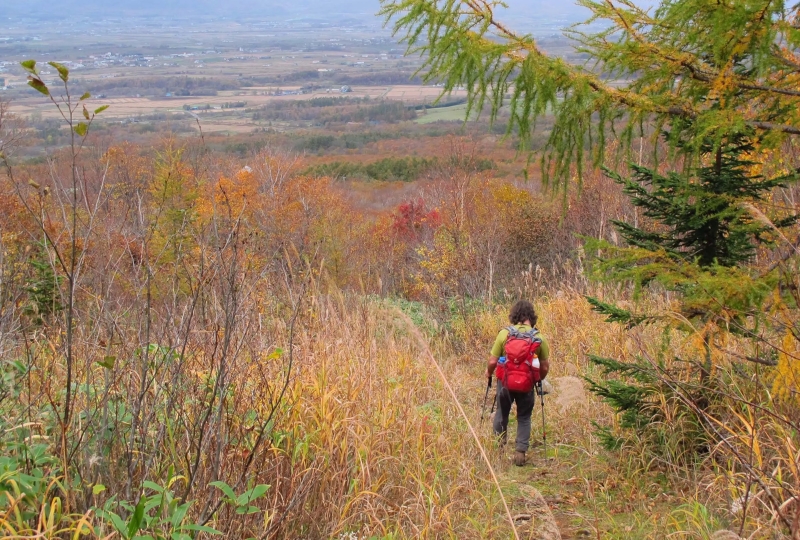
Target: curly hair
[[522, 311]]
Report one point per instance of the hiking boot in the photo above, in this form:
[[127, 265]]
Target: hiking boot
[[519, 458]]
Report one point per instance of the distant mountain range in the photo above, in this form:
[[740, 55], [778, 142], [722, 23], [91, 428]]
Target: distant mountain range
[[49, 9]]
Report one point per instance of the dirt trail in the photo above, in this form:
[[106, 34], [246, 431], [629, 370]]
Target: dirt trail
[[553, 513], [538, 521]]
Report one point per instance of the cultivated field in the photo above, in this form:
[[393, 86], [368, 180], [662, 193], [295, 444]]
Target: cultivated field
[[215, 117]]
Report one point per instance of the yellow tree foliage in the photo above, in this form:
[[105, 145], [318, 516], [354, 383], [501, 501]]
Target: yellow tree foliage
[[786, 382]]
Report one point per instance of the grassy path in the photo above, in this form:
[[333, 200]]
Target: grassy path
[[591, 492]]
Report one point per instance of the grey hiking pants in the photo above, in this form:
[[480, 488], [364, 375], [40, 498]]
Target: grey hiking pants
[[525, 403]]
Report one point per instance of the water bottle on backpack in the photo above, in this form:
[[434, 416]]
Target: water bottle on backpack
[[501, 369]]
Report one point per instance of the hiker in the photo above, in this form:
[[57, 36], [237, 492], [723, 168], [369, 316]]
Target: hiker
[[520, 344]]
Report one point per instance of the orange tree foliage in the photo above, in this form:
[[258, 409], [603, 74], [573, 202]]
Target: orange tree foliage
[[190, 266]]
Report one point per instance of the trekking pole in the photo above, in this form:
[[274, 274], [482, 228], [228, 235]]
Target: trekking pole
[[544, 426], [485, 397]]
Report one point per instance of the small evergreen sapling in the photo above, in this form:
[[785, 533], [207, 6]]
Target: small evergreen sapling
[[698, 240], [700, 216]]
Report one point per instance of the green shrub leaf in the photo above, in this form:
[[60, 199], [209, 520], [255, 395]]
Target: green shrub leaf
[[63, 72], [107, 362], [136, 519], [225, 488], [29, 66], [38, 85]]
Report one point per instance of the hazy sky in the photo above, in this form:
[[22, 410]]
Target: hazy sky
[[252, 8]]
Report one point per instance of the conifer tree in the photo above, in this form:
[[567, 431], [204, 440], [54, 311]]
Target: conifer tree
[[700, 213], [697, 241]]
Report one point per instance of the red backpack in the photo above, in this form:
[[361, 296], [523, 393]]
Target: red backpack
[[518, 373]]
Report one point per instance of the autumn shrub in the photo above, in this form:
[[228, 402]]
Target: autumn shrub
[[491, 233], [191, 345], [335, 451], [204, 373]]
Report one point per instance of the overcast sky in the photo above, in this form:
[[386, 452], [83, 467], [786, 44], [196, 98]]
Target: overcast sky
[[256, 8]]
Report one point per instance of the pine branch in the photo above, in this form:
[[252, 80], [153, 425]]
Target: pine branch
[[756, 360], [614, 313]]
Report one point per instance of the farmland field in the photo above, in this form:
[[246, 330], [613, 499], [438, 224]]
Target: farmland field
[[442, 114], [212, 107]]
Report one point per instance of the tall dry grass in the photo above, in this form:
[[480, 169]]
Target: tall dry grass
[[187, 324], [370, 419], [364, 441], [730, 465]]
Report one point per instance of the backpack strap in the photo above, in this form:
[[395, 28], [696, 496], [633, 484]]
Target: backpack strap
[[532, 334]]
